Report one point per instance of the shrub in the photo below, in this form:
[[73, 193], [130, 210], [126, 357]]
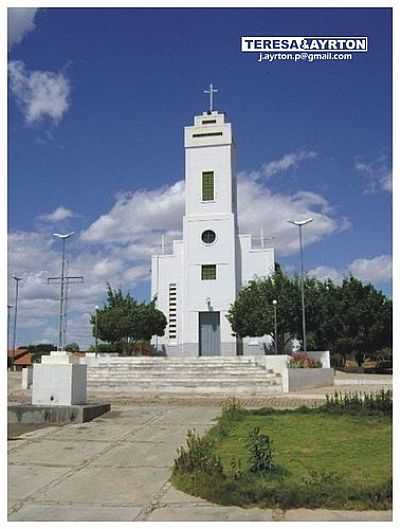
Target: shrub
[[303, 360], [198, 456], [236, 467], [260, 452]]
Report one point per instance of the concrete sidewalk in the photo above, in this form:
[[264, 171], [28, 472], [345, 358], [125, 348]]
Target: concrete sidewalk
[[117, 467]]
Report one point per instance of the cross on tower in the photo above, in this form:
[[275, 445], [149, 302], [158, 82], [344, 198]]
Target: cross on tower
[[211, 90]]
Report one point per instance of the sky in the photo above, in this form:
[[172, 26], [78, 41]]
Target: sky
[[97, 102]]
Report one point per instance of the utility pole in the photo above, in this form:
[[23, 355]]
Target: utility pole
[[17, 280], [65, 315], [64, 281]]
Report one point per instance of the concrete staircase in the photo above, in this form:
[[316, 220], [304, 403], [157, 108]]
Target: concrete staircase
[[206, 375]]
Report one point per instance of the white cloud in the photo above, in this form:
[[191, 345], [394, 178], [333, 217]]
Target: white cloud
[[107, 267], [116, 247], [137, 220], [376, 269], [57, 215], [21, 20], [323, 273], [377, 173], [39, 94], [386, 182], [286, 162], [36, 256], [140, 213], [259, 207]]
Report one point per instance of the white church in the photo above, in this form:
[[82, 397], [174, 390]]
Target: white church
[[197, 282]]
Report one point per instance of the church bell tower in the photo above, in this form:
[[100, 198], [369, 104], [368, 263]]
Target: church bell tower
[[196, 284], [209, 233]]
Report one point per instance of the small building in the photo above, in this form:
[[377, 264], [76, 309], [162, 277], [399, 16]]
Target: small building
[[196, 282], [19, 359]]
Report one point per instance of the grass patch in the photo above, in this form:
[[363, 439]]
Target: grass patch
[[322, 457]]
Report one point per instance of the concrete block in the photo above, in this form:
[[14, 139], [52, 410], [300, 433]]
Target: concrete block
[[60, 357], [59, 384], [27, 377]]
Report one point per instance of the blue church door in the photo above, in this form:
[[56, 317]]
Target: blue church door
[[209, 334]]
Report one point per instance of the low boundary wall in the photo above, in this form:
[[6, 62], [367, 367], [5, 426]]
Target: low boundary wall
[[296, 379], [301, 378]]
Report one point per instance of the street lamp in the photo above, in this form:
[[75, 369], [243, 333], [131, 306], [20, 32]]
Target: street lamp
[[9, 307], [300, 224], [61, 316], [95, 330], [17, 280], [275, 303]]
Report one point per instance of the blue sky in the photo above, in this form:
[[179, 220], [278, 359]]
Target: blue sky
[[98, 99]]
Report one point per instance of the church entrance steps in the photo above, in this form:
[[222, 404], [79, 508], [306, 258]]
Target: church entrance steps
[[221, 375], [178, 369], [137, 361], [227, 391]]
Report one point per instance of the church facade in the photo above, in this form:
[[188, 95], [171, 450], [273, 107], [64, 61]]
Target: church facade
[[196, 282]]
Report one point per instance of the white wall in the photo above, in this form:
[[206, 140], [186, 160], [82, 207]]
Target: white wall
[[255, 262], [166, 269], [309, 378]]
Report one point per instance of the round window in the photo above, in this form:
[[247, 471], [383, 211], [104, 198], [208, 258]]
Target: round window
[[208, 236]]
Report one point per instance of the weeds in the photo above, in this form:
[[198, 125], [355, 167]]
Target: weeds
[[198, 456], [232, 411], [380, 403]]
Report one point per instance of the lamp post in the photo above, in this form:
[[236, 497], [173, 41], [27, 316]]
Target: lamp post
[[95, 330], [9, 307], [61, 316], [300, 224], [275, 303], [17, 280]]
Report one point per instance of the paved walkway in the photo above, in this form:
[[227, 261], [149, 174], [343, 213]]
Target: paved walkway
[[117, 468]]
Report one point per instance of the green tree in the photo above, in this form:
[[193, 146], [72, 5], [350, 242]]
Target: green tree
[[351, 318], [72, 347], [252, 312], [104, 347], [149, 321], [43, 348], [365, 322], [123, 321]]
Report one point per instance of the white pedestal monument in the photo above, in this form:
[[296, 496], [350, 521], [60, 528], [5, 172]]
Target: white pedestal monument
[[59, 380]]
